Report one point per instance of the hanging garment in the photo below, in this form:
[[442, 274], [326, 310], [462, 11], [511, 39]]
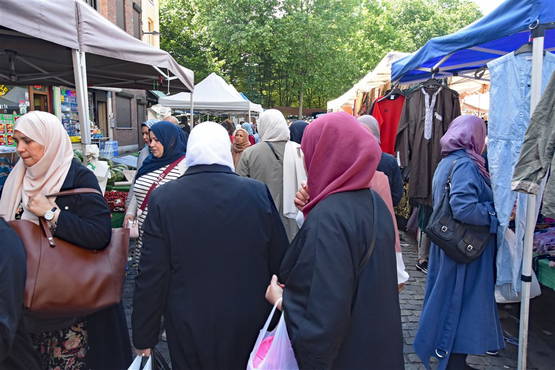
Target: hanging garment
[[388, 113], [537, 155], [509, 117], [419, 154]]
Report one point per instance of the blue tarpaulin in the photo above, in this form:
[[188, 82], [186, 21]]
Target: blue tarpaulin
[[500, 32]]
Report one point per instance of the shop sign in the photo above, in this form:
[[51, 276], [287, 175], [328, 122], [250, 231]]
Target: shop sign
[[4, 90]]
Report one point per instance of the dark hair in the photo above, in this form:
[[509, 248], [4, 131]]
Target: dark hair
[[229, 126]]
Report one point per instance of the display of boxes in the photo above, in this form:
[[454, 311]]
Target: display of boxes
[[7, 124]]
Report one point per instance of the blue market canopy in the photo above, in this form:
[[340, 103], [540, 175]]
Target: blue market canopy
[[502, 31]]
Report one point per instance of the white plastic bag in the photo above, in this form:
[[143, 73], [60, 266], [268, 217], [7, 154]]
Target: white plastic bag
[[280, 354], [136, 364]]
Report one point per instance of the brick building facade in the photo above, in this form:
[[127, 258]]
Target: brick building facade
[[128, 106]]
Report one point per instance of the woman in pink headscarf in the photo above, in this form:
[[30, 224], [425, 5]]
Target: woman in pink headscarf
[[340, 299]]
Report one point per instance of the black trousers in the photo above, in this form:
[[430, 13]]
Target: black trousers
[[457, 361]]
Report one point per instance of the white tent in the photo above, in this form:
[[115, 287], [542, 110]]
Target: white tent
[[212, 94], [66, 42], [379, 76]]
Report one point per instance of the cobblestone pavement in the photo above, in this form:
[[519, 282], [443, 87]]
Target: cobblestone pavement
[[542, 324]]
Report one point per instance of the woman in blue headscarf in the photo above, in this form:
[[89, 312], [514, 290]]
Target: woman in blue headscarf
[[248, 127], [297, 130], [168, 144]]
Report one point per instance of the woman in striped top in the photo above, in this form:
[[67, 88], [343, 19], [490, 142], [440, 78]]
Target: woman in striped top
[[168, 144]]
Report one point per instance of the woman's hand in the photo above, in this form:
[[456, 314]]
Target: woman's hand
[[302, 197], [128, 220], [274, 292], [143, 352], [39, 205]]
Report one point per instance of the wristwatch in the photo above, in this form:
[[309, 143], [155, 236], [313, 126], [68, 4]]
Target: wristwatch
[[49, 215]]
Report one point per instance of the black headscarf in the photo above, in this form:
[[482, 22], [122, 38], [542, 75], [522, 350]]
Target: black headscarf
[[174, 141], [297, 130]]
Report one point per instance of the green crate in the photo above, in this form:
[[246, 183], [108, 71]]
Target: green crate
[[117, 219], [546, 274], [118, 188]]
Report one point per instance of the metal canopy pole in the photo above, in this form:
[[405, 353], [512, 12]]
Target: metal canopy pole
[[192, 114], [526, 277], [80, 75]]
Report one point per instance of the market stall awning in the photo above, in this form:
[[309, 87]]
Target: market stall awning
[[212, 94], [375, 78], [500, 32], [37, 37]]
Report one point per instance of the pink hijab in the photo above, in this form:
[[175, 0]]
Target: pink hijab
[[48, 174], [380, 184], [340, 155]]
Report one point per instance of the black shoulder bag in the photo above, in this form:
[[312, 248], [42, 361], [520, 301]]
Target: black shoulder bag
[[462, 242]]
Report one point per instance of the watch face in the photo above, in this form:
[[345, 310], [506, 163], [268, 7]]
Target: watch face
[[48, 216]]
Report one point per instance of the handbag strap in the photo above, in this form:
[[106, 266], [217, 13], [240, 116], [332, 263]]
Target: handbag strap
[[448, 182], [154, 185], [272, 149]]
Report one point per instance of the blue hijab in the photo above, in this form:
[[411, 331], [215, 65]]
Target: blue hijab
[[174, 141], [297, 130], [247, 126]]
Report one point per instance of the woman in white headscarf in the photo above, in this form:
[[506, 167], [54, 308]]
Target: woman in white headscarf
[[198, 268], [46, 166], [277, 162]]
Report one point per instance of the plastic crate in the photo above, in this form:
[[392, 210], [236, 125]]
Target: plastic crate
[[118, 188], [117, 219], [546, 274]]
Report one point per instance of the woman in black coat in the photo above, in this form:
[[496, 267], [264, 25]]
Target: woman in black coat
[[16, 349], [99, 341], [200, 267], [340, 299]]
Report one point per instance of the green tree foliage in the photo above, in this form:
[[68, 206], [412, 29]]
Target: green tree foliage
[[282, 52]]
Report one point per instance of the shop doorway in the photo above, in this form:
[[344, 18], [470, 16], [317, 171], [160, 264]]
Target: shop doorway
[[103, 117], [40, 98], [141, 117]]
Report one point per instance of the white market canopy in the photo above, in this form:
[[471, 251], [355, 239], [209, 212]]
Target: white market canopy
[[212, 94], [376, 78], [37, 38]]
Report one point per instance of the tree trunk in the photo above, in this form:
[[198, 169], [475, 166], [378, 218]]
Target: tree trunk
[[301, 105]]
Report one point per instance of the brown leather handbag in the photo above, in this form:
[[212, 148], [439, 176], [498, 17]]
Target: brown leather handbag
[[64, 280]]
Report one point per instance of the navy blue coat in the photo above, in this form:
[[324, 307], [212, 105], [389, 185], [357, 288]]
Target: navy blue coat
[[459, 313], [388, 165], [211, 242]]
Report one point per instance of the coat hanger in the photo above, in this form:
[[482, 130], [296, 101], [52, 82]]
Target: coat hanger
[[525, 48], [392, 94]]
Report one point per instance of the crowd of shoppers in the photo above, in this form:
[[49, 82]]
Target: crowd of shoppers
[[233, 220]]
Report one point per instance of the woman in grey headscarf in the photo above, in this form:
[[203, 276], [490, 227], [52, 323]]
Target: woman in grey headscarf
[[388, 164], [278, 163]]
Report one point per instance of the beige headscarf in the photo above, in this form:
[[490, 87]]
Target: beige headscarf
[[237, 148], [48, 174]]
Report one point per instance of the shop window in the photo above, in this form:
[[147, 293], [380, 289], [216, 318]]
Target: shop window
[[137, 20], [123, 112], [120, 14], [92, 3], [150, 30]]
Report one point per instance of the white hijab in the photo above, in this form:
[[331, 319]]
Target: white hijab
[[209, 144], [273, 126], [44, 177]]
